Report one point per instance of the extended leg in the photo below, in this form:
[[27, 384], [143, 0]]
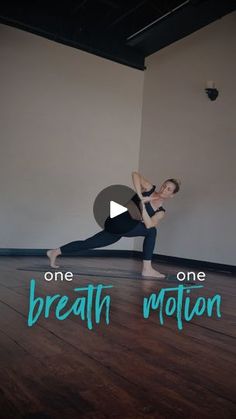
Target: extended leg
[[101, 239]]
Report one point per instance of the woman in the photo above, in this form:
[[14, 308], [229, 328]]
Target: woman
[[149, 203]]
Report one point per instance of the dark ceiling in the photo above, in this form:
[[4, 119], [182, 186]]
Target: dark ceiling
[[125, 31]]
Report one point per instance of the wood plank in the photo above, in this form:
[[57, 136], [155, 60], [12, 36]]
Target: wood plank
[[132, 368]]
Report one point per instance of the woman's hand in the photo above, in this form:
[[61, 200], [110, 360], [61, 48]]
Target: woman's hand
[[159, 215], [146, 218], [146, 199]]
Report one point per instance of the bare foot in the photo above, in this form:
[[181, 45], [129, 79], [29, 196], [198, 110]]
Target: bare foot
[[52, 255], [150, 272]]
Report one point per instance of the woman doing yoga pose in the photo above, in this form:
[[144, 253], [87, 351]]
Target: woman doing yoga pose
[[143, 223]]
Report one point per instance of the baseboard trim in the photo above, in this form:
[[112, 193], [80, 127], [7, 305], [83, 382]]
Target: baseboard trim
[[172, 260]]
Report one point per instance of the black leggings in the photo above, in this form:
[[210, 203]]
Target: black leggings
[[105, 238]]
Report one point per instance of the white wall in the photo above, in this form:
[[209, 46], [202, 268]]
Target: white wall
[[70, 126], [187, 136]]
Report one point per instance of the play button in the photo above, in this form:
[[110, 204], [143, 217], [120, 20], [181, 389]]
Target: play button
[[114, 209]]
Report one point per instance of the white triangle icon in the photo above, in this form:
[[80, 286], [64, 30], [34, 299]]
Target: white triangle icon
[[116, 209]]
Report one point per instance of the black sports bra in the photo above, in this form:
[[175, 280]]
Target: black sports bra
[[148, 206]]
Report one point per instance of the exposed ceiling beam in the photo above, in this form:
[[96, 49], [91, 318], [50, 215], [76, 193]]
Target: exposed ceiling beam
[[127, 13], [113, 50], [180, 23]]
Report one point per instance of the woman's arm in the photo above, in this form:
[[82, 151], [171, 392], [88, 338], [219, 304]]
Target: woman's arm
[[140, 183], [146, 218], [151, 221]]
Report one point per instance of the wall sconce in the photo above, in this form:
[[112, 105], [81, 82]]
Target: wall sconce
[[211, 90]]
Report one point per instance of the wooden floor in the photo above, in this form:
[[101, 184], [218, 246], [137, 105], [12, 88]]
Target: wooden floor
[[134, 368]]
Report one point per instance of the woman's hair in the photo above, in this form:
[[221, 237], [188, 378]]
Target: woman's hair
[[177, 184]]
